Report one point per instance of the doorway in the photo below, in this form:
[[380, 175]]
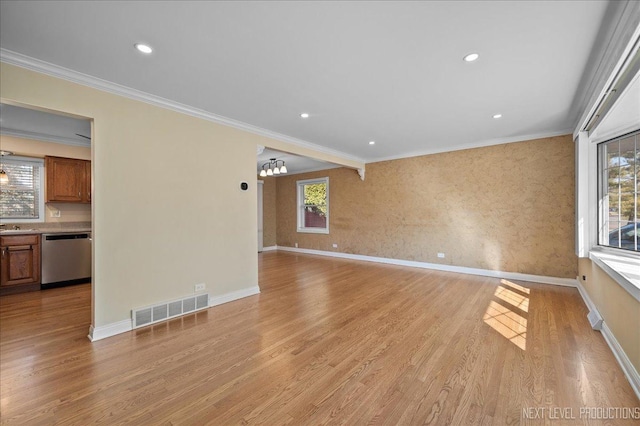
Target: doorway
[[40, 137]]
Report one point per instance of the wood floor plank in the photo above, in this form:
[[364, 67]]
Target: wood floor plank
[[328, 341]]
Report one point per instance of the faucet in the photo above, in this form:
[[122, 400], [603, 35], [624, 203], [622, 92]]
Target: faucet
[[16, 227]]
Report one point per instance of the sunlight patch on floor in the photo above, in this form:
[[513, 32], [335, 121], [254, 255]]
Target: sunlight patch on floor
[[515, 286], [512, 298], [508, 323]]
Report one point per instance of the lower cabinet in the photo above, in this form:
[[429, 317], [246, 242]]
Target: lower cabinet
[[19, 263]]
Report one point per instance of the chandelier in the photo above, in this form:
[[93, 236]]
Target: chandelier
[[272, 168]]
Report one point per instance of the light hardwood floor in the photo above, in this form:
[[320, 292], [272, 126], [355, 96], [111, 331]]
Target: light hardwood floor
[[327, 341]]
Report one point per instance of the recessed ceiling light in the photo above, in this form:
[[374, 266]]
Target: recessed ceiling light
[[497, 116], [471, 57], [143, 48], [304, 115], [372, 142]]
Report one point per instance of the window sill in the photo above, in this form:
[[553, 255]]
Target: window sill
[[624, 269], [313, 230]]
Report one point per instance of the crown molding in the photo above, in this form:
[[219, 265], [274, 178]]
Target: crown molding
[[43, 137], [480, 144], [37, 65], [33, 64]]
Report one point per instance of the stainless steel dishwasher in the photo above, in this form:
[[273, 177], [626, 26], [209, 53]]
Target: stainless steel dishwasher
[[66, 258]]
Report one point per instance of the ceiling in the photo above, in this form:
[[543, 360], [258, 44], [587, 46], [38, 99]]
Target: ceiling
[[39, 125], [389, 72]]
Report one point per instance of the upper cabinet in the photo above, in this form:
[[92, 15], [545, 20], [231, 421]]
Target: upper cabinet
[[68, 180]]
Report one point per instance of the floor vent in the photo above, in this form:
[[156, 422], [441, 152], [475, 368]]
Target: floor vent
[[164, 311]]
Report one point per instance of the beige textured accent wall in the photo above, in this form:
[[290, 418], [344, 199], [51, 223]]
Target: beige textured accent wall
[[506, 207], [69, 212], [269, 211], [155, 236], [619, 310]]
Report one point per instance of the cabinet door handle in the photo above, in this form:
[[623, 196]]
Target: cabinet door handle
[[79, 194], [2, 252]]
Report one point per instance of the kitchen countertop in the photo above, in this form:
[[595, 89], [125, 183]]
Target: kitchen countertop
[[28, 231], [43, 231], [45, 228]]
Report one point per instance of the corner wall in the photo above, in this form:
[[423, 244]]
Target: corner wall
[[164, 216], [619, 310]]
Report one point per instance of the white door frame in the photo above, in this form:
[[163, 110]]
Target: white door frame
[[260, 214]]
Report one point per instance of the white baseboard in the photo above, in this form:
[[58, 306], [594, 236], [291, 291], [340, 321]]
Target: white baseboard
[[270, 248], [102, 332], [625, 363], [567, 282], [586, 298], [234, 295]]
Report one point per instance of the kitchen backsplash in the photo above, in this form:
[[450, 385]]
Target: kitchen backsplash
[[68, 212]]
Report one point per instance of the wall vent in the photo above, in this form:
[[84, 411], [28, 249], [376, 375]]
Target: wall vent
[[595, 320], [167, 310]]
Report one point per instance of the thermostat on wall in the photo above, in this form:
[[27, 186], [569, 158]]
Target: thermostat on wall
[[244, 186]]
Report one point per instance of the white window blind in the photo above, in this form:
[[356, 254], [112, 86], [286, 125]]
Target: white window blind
[[21, 198]]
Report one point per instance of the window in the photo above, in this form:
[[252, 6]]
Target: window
[[313, 205], [619, 187], [22, 198]]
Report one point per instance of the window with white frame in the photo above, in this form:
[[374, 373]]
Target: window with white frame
[[619, 187], [313, 205], [22, 197]]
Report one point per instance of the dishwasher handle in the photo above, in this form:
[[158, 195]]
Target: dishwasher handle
[[55, 237]]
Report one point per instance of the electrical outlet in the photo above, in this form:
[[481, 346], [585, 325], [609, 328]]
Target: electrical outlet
[[55, 213], [199, 287], [335, 245], [441, 255], [584, 278], [296, 245]]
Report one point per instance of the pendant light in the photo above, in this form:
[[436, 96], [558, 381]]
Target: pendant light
[[4, 177], [271, 168]]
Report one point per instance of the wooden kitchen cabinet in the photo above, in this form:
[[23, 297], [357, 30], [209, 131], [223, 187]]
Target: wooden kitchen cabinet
[[68, 180], [19, 263]]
